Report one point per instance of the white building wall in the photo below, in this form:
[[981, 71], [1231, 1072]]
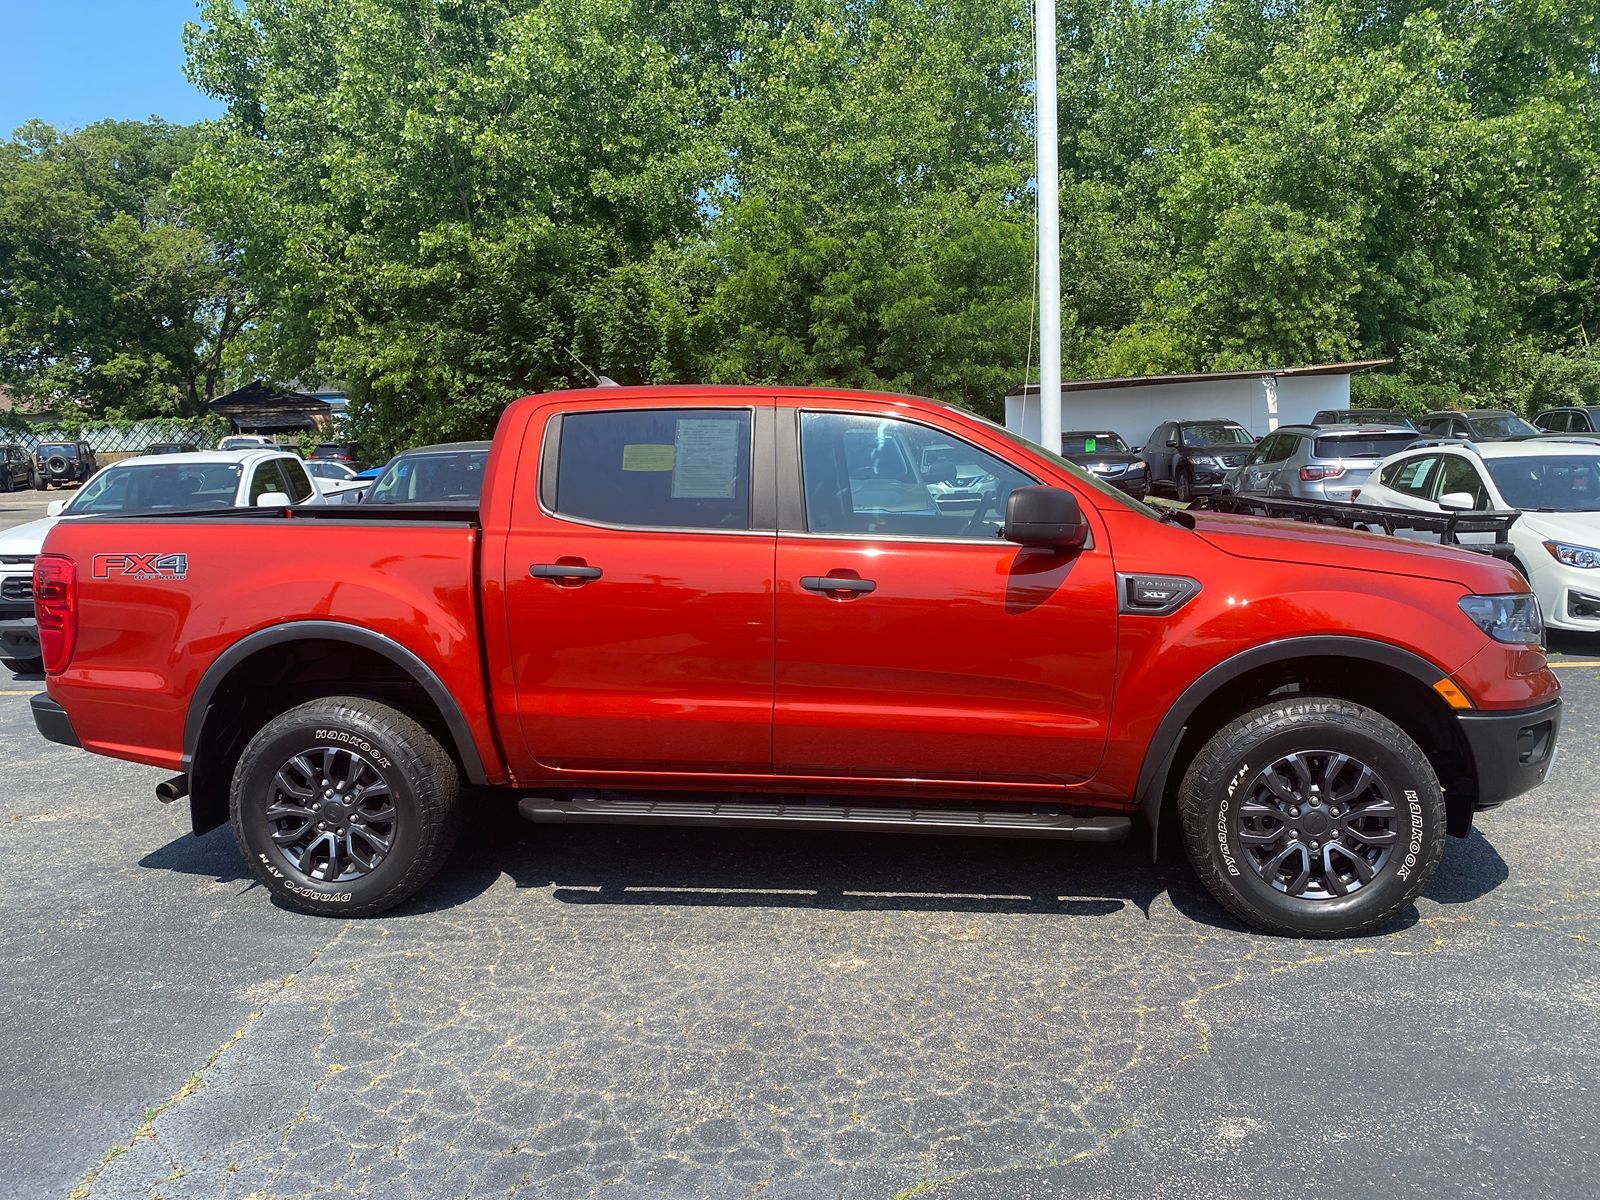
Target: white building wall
[[1260, 403]]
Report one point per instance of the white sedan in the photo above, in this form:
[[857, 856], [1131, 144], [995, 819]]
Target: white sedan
[[148, 484], [1554, 484]]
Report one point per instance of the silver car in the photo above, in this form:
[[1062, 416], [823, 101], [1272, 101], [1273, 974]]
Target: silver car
[[1316, 462]]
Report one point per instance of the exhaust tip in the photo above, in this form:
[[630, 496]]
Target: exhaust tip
[[172, 789]]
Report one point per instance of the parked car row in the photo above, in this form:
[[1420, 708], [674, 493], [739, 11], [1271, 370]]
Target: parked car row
[[146, 485]]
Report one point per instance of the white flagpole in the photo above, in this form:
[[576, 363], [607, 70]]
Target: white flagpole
[[1047, 181]]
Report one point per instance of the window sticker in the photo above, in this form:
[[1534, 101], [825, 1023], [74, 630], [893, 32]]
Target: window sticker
[[643, 456], [705, 458], [1088, 445]]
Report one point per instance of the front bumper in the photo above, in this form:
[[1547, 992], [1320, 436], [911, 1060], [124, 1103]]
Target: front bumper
[[1512, 751], [52, 721]]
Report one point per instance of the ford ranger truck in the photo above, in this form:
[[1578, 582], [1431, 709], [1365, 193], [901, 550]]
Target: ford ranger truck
[[801, 608]]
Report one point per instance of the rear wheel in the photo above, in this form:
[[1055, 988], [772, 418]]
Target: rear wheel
[[1313, 817], [23, 666], [344, 806]]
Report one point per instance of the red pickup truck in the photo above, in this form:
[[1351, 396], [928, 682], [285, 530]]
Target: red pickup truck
[[800, 608]]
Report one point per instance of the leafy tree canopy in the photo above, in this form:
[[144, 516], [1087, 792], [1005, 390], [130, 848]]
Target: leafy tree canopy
[[438, 199], [111, 298]]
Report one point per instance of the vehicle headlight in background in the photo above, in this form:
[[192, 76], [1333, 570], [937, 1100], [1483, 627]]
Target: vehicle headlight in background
[[1201, 460], [1569, 555], [1513, 619]]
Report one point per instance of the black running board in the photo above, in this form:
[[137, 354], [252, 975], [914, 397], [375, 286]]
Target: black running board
[[985, 822]]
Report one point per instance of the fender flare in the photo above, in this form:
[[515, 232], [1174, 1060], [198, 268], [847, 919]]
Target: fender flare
[[1163, 748], [332, 631]]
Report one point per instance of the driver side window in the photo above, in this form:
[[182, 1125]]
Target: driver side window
[[872, 475]]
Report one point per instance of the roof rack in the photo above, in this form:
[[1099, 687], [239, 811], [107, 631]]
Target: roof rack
[[1457, 443]]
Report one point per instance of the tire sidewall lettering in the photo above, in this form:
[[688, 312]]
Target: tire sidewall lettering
[[1224, 847], [1414, 845], [300, 889], [353, 741]]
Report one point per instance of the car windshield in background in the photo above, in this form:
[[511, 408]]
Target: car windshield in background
[[174, 487], [431, 479], [1217, 433], [1358, 445], [1569, 483], [1092, 443], [1501, 425]]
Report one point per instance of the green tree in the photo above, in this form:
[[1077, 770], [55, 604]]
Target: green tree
[[110, 295]]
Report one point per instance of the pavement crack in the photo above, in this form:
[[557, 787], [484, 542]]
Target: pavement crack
[[196, 1082]]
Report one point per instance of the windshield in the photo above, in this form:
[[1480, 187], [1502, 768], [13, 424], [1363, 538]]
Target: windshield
[[1500, 425], [1092, 443], [1089, 481], [329, 470], [1217, 433], [166, 488], [1569, 483], [1357, 445], [431, 479]]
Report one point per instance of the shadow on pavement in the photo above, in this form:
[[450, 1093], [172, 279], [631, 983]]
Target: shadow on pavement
[[1471, 868], [851, 872], [642, 865]]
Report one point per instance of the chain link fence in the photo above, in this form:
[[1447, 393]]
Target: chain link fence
[[123, 440]]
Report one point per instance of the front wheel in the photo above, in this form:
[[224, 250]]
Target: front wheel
[[1185, 485], [1313, 817], [344, 806]]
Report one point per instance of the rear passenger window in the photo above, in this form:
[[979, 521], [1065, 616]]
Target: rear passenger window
[[685, 468], [294, 474], [1410, 475]]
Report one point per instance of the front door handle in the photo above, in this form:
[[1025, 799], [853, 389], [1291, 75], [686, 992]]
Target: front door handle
[[836, 583], [570, 572]]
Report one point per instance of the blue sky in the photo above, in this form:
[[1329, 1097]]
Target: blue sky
[[74, 62]]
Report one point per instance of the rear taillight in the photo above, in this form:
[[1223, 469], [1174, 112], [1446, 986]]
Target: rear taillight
[[1312, 474], [55, 605]]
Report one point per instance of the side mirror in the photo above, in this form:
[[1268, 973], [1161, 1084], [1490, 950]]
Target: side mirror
[[1172, 442], [55, 508], [1044, 516], [1458, 501], [273, 500]]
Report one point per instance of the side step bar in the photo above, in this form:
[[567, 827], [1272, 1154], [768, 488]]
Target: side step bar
[[1043, 822]]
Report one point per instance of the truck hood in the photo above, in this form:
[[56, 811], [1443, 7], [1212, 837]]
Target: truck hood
[[26, 539], [1325, 546]]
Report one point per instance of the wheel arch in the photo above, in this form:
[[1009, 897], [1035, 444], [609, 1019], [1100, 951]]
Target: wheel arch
[[377, 665], [1389, 679]]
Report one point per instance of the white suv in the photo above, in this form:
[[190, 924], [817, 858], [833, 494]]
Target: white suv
[[1555, 484]]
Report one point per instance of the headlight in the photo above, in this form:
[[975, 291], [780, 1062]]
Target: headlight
[[1200, 460], [1569, 555], [1514, 619], [1136, 468]]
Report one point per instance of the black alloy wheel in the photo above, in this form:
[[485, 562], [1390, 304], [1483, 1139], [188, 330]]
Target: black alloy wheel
[[332, 814], [1316, 824]]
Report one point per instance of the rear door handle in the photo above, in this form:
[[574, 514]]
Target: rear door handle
[[836, 583], [564, 571]]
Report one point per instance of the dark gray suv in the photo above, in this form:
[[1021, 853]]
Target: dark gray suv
[[62, 463], [1317, 462]]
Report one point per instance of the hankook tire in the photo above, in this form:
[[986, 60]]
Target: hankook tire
[[345, 806], [1313, 817]]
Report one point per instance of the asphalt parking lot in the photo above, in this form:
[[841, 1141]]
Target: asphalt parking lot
[[644, 1013]]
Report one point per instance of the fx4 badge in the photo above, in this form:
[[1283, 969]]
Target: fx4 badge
[[141, 566]]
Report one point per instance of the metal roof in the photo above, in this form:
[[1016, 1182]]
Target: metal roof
[[1125, 381]]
